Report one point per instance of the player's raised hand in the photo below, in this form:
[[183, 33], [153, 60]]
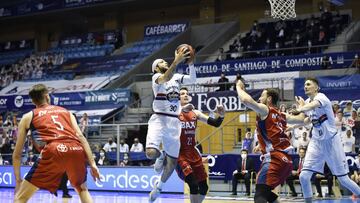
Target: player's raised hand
[[181, 54], [240, 85], [300, 101], [95, 172], [220, 110]]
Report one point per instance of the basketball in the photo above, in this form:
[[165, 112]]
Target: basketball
[[191, 56]]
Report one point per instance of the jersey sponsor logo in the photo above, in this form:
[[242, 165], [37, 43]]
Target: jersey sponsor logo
[[173, 96], [76, 148], [188, 124], [19, 101], [62, 148]]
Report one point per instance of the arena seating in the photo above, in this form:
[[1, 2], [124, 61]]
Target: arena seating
[[7, 58]]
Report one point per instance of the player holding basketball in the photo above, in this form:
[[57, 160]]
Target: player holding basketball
[[190, 160], [273, 142], [64, 149], [164, 125], [325, 144]]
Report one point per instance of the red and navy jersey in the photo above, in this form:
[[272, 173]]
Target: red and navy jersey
[[51, 123], [271, 132], [188, 128]]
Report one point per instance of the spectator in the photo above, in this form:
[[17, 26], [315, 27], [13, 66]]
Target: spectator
[[245, 166], [84, 122], [348, 109], [304, 141], [221, 55], [238, 77], [339, 120], [124, 148], [356, 63], [351, 120], [298, 165], [125, 160], [8, 123], [6, 150], [103, 160], [223, 83], [137, 146], [64, 187], [283, 108], [355, 170], [247, 142], [348, 142], [1, 160], [326, 176], [336, 109], [110, 145], [31, 159]]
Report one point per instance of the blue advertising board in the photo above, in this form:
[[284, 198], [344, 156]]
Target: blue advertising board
[[163, 29], [271, 64], [339, 89], [221, 166], [139, 179], [101, 99]]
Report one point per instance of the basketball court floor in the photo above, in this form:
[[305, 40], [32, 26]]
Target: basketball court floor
[[6, 196]]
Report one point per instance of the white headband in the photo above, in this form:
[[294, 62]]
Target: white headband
[[154, 64]]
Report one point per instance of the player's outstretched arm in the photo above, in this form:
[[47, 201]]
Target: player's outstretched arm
[[24, 125], [179, 56], [94, 170], [217, 121], [248, 101]]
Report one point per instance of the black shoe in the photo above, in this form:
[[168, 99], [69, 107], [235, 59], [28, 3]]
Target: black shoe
[[55, 193], [67, 196], [248, 194], [319, 196], [234, 193], [294, 194]]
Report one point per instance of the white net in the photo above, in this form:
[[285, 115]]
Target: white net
[[283, 9]]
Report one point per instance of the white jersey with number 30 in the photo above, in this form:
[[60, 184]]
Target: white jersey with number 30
[[322, 118], [167, 95]]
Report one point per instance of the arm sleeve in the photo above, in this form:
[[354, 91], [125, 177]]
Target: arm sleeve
[[191, 78], [215, 122]]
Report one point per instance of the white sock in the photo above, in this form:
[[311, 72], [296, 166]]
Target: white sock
[[159, 185]]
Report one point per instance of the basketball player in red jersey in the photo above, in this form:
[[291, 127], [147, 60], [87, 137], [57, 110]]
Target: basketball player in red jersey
[[273, 142], [63, 149], [189, 161]]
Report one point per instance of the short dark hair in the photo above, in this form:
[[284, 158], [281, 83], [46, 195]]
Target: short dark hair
[[273, 93], [37, 93], [184, 88], [302, 148], [245, 150], [313, 80]]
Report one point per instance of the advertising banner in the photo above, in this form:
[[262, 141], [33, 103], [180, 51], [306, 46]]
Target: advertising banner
[[57, 86], [271, 64], [125, 179], [162, 29], [73, 101], [339, 89], [208, 101]]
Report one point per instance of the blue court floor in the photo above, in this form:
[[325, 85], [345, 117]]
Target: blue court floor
[[6, 196]]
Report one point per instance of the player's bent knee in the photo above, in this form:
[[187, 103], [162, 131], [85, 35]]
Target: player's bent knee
[[203, 187], [305, 176]]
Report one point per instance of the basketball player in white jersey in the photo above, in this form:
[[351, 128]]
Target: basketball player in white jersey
[[325, 144], [164, 125]]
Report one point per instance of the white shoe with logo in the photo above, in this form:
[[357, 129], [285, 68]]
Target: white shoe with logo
[[159, 163], [155, 193]]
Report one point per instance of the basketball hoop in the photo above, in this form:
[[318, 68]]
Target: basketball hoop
[[283, 9]]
